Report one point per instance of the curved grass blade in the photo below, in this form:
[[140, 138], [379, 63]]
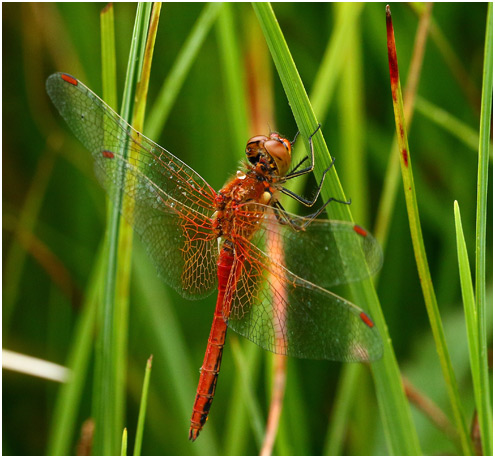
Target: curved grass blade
[[448, 122], [418, 243], [400, 432], [63, 425], [112, 347], [237, 433], [470, 310], [123, 448], [392, 176], [484, 402], [142, 408], [171, 86]]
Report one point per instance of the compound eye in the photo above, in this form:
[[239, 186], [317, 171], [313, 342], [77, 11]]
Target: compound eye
[[280, 151], [254, 148], [256, 142]]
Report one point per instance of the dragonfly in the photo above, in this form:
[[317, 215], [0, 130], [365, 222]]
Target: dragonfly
[[271, 269]]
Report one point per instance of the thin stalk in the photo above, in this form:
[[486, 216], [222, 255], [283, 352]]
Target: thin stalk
[[452, 60], [232, 75], [430, 409], [176, 370], [279, 376], [237, 433], [392, 175], [448, 122], [327, 77], [175, 78], [63, 425], [418, 243], [341, 408], [110, 380], [142, 408], [16, 254], [485, 403], [400, 432], [123, 448], [252, 405], [470, 311]]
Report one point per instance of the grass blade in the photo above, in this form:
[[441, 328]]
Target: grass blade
[[63, 424], [171, 86], [484, 402], [229, 54], [123, 449], [108, 60], [112, 347], [448, 122], [142, 408], [237, 432], [418, 243], [470, 310], [395, 412], [392, 176], [251, 402], [178, 371]]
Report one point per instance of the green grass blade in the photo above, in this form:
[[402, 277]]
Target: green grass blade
[[448, 122], [355, 176], [418, 244], [485, 403], [177, 371], [235, 433], [63, 425], [108, 60], [142, 408], [125, 242], [123, 449], [16, 255], [341, 408], [231, 65], [400, 432], [171, 86], [253, 407], [451, 58], [327, 76], [352, 125], [101, 383], [112, 348], [391, 186], [470, 311]]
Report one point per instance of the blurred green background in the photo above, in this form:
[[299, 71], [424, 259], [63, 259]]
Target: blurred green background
[[54, 214]]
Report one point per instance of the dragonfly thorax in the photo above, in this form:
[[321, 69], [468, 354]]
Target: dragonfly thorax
[[237, 204], [272, 154]]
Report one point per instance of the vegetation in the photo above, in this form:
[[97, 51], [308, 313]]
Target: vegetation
[[220, 74]]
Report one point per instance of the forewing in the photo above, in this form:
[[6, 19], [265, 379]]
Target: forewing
[[324, 252], [169, 204]]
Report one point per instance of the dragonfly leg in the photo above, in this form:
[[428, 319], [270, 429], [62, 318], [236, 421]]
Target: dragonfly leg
[[298, 165], [284, 219], [295, 173], [309, 169], [295, 138], [317, 213]]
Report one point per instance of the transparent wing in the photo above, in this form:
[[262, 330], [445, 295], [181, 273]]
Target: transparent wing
[[285, 313], [170, 205], [326, 253]]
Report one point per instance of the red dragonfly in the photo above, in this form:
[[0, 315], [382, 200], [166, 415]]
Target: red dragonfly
[[269, 267]]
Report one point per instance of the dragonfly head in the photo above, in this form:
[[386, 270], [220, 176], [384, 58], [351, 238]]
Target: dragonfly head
[[274, 152]]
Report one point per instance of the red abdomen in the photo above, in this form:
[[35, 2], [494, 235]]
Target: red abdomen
[[213, 356]]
